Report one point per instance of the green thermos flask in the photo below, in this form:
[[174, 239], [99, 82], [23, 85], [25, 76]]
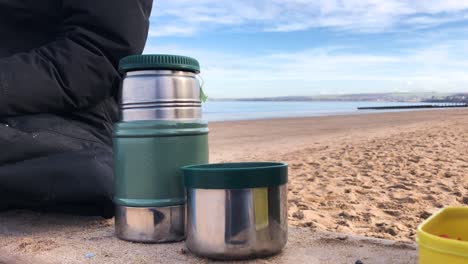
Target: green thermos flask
[[160, 130]]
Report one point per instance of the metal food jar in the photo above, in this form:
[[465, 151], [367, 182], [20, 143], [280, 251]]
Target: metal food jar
[[236, 210], [160, 87], [160, 131]]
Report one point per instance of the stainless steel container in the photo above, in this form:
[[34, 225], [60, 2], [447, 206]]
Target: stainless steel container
[[160, 131], [161, 95], [150, 224], [236, 210], [160, 87]]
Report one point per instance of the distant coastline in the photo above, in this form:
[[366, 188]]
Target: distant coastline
[[369, 97], [250, 110]]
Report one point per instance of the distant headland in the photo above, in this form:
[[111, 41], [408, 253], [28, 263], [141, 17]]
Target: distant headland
[[368, 97]]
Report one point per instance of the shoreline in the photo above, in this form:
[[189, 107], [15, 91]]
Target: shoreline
[[236, 112], [340, 114], [229, 139]]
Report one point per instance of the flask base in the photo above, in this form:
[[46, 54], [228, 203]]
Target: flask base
[[150, 224]]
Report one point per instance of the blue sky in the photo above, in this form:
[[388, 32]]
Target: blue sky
[[262, 48]]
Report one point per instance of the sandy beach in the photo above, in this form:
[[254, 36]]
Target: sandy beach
[[376, 175]]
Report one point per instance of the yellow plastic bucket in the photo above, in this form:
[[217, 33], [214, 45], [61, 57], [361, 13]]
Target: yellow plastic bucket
[[443, 238]]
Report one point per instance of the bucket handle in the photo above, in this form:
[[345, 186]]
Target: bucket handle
[[203, 96]]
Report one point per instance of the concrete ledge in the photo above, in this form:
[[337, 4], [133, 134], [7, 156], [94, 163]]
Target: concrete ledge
[[27, 237]]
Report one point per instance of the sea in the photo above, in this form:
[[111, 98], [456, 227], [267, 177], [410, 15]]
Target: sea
[[251, 110]]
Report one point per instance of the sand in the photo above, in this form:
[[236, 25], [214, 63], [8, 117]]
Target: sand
[[376, 175]]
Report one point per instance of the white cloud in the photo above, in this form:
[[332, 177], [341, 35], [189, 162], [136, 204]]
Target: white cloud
[[440, 67], [435, 60], [170, 30], [293, 15]]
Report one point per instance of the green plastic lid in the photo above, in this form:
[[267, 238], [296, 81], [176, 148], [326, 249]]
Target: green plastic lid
[[235, 175], [159, 62]]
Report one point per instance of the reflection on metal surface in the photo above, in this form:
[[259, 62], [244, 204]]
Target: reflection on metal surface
[[237, 223], [160, 95], [153, 224]]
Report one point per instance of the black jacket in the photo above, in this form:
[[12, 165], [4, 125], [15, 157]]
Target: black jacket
[[60, 56], [58, 86]]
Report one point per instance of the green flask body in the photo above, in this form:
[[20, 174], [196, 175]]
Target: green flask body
[[148, 157]]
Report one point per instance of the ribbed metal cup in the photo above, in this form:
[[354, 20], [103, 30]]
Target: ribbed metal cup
[[160, 95], [237, 223], [236, 210]]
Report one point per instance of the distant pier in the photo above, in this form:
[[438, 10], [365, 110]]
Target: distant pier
[[397, 107]]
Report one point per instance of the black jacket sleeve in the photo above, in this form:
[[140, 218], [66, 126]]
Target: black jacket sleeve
[[79, 68]]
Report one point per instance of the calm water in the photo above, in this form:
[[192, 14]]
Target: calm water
[[229, 111]]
